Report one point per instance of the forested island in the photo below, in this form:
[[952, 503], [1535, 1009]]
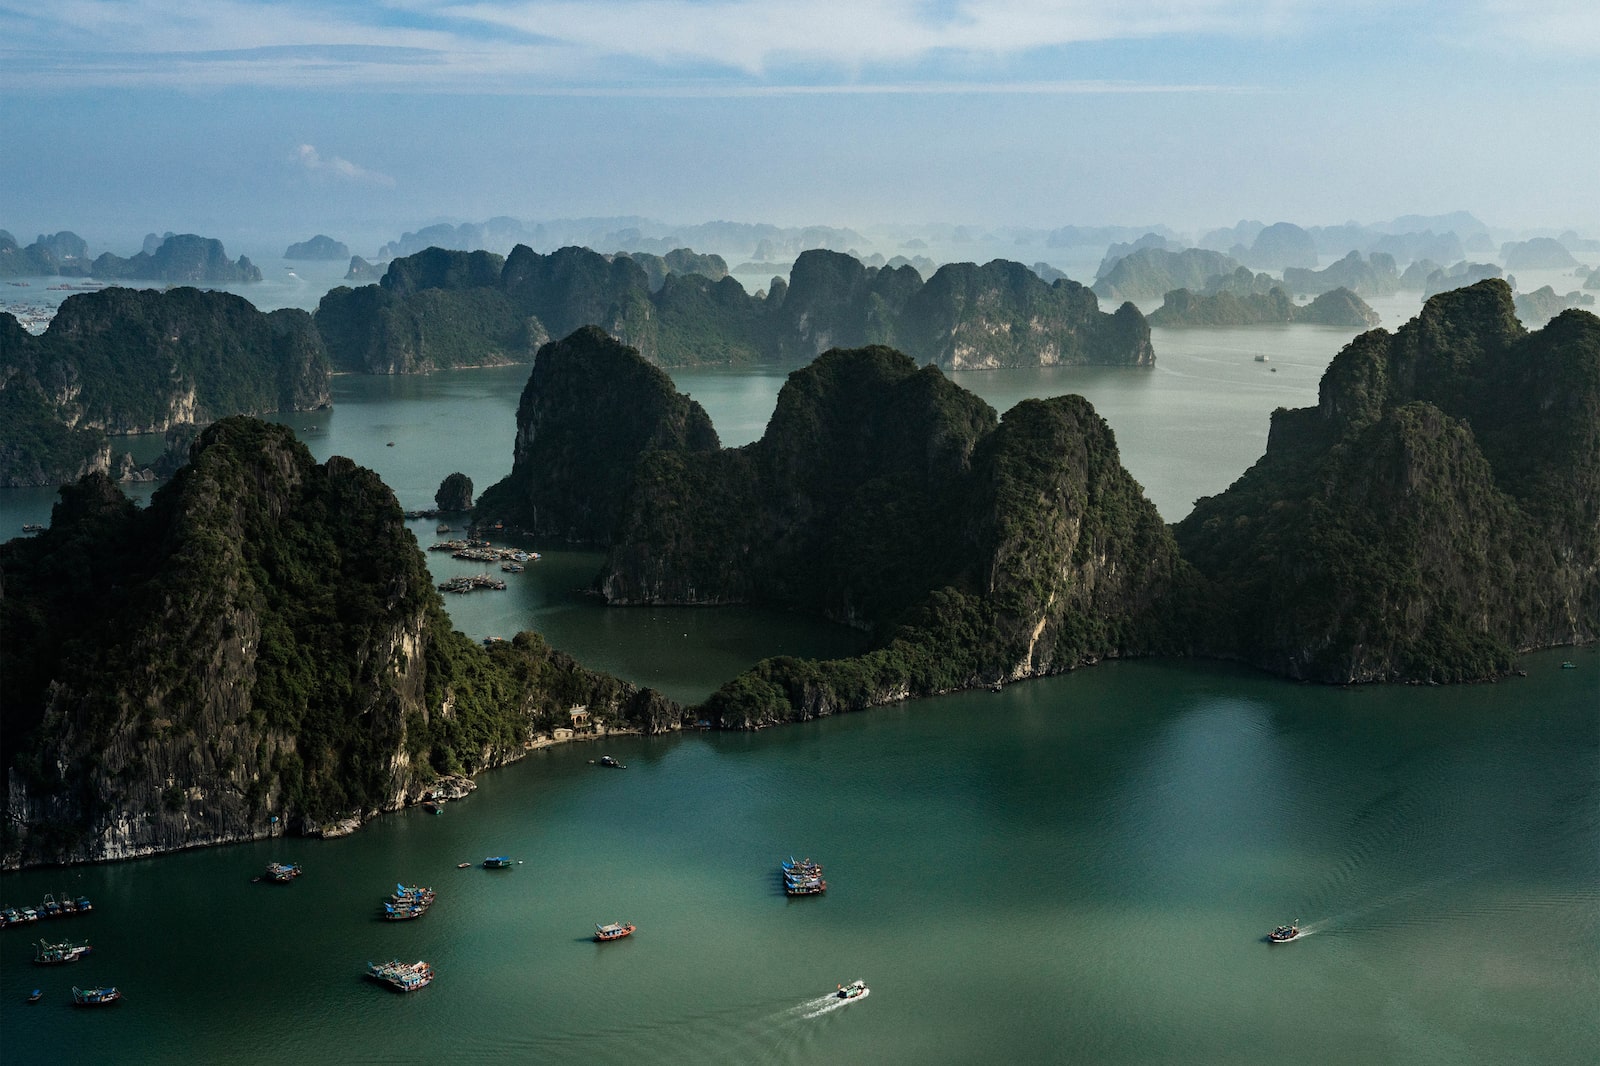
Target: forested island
[[319, 247], [260, 648], [1338, 307], [981, 551], [179, 258], [441, 308], [120, 361], [263, 641]]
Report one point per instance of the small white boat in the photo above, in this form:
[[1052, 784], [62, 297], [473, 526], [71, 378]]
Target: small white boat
[[853, 990]]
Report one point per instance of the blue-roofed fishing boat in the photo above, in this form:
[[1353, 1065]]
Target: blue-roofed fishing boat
[[95, 997]]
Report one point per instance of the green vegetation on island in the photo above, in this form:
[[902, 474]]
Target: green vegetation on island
[[1150, 273], [440, 308], [319, 247], [883, 496], [180, 259], [1438, 511], [63, 253], [263, 640], [122, 361], [260, 648], [1340, 307], [1373, 276], [1544, 303]]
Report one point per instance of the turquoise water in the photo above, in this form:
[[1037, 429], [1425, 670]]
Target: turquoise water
[[1080, 869], [1073, 870]]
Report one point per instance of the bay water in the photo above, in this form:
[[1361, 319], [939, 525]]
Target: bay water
[[1080, 869]]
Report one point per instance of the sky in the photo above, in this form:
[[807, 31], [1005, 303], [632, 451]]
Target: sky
[[270, 120]]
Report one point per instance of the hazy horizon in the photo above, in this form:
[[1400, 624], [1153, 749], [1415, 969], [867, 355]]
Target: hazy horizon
[[262, 123]]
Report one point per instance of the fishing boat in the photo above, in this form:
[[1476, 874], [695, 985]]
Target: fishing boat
[[803, 878], [406, 903], [36, 995], [606, 760], [282, 872], [1285, 933], [496, 862], [401, 976], [95, 997], [613, 931], [853, 990], [47, 954]]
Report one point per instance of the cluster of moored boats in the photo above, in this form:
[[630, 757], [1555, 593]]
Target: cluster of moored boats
[[471, 583], [65, 907], [803, 878], [47, 953], [511, 561], [401, 976], [407, 903]]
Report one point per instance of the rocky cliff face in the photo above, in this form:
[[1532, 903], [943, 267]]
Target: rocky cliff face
[[259, 651], [1340, 308], [1150, 273], [1040, 554], [1374, 276], [319, 247], [183, 258], [59, 253], [441, 308], [842, 508], [886, 497], [1434, 514], [121, 361], [591, 408], [1002, 315]]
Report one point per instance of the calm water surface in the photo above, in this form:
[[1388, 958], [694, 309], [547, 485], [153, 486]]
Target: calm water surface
[[1075, 870]]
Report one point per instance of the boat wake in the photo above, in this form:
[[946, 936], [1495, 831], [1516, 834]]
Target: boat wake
[[816, 1008], [1394, 899]]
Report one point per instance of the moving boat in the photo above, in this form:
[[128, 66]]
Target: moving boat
[[1285, 933], [614, 931], [95, 997], [853, 990]]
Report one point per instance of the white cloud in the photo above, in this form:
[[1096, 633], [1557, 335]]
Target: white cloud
[[528, 45], [752, 35], [1559, 27], [312, 161]]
